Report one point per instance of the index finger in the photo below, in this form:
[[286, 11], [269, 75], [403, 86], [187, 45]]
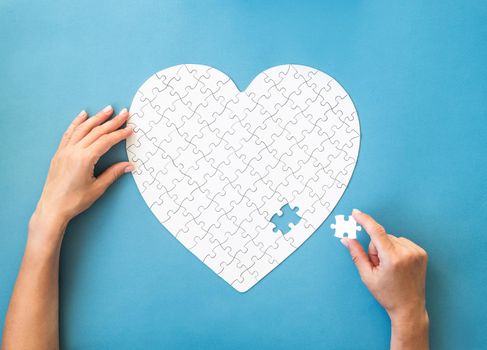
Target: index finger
[[376, 232]]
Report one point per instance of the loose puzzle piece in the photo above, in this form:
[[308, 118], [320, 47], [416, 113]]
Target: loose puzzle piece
[[225, 171], [345, 228]]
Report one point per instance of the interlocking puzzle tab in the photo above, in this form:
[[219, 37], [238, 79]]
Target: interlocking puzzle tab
[[289, 216], [345, 228]]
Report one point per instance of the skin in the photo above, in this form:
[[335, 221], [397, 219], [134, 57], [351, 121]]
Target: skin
[[32, 320], [393, 270]]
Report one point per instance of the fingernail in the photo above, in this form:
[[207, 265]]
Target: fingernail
[[356, 211], [107, 108], [123, 111], [345, 242], [130, 129], [129, 168], [82, 113]]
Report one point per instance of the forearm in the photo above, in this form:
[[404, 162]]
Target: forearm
[[32, 320], [410, 330]]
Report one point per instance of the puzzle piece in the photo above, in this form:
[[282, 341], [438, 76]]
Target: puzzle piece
[[345, 228], [224, 170]]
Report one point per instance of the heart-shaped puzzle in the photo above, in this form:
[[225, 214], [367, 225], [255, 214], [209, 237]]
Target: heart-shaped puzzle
[[216, 165]]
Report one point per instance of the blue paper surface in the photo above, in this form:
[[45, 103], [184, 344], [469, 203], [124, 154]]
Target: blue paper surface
[[417, 74]]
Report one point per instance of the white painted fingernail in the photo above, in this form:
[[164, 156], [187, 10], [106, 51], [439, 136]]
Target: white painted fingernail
[[123, 111], [345, 242], [129, 168], [82, 113], [107, 108], [356, 211]]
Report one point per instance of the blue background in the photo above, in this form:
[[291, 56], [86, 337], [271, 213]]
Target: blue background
[[417, 74]]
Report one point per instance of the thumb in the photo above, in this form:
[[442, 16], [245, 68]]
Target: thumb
[[112, 173], [359, 257]]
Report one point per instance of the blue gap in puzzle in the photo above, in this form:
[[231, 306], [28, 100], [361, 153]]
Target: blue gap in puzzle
[[288, 216]]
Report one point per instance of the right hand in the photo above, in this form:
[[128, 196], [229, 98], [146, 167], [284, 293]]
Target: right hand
[[394, 271]]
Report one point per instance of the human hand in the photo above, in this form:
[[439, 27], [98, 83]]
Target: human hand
[[71, 186], [394, 271]]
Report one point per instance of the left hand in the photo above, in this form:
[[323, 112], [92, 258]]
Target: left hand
[[71, 186]]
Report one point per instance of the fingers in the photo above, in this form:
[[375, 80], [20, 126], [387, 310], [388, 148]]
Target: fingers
[[105, 128], [360, 259], [80, 118], [410, 244], [376, 232], [373, 254], [105, 142], [83, 129], [110, 175]]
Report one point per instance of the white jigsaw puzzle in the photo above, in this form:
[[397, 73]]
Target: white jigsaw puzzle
[[216, 165], [345, 228]]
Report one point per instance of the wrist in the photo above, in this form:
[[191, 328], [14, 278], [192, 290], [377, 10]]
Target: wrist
[[410, 328], [409, 313], [52, 213], [46, 229]]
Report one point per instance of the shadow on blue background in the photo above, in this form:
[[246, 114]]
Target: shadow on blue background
[[417, 75]]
